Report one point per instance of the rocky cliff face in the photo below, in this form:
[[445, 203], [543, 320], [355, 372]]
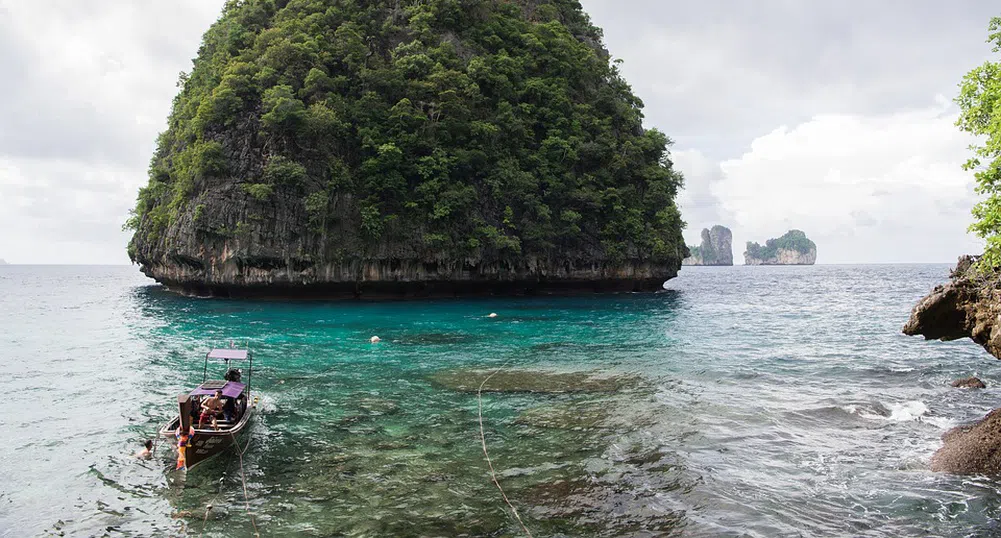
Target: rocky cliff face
[[328, 148], [716, 248], [784, 256]]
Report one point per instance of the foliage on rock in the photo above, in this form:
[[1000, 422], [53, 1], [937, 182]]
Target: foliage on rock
[[979, 101], [466, 129], [793, 240]]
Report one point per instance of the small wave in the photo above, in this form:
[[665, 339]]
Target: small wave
[[897, 412], [266, 405], [907, 411]]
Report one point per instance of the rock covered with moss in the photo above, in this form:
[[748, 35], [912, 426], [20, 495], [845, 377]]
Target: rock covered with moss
[[373, 146], [716, 248], [793, 248]]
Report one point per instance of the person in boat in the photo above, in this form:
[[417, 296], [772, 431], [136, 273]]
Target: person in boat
[[229, 410], [211, 408], [196, 408], [147, 451]]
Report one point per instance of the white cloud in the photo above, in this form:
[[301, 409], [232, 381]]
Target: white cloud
[[881, 188], [90, 85], [52, 211]]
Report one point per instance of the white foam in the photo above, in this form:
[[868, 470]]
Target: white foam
[[898, 412], [907, 411], [266, 405]]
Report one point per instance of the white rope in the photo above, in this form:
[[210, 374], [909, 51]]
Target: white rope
[[483, 440], [243, 478]]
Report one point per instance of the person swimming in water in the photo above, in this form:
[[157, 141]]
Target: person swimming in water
[[147, 450]]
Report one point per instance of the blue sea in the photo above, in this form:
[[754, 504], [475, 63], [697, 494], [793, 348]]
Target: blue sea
[[742, 401]]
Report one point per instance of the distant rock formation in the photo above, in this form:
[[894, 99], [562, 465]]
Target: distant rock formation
[[3, 262], [793, 248], [716, 248]]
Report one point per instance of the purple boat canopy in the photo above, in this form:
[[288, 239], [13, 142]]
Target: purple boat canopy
[[228, 354], [230, 389]]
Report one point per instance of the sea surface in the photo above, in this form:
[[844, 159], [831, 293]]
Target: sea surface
[[743, 401]]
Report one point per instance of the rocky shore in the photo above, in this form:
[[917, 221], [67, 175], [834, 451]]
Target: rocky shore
[[968, 306]]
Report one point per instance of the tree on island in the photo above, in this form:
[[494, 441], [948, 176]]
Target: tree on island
[[979, 101], [444, 133], [793, 240]]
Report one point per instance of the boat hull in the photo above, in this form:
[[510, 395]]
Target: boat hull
[[207, 443]]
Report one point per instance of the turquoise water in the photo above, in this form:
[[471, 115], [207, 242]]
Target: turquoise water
[[761, 401]]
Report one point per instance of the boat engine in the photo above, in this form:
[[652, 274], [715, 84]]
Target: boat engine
[[233, 375]]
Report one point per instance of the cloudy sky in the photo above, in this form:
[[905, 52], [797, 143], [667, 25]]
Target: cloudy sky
[[830, 117]]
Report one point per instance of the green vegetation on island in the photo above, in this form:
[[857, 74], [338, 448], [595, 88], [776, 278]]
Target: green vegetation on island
[[794, 241], [979, 102], [444, 131]]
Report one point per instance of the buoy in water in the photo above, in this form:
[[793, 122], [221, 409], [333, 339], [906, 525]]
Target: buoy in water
[[492, 315], [376, 339]]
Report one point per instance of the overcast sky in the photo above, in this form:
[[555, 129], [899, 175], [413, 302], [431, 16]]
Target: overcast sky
[[831, 117]]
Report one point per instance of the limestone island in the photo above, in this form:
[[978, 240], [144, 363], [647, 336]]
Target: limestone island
[[330, 148], [793, 248], [716, 248], [3, 262]]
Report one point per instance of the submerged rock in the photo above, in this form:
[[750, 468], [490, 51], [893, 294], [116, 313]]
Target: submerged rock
[[973, 449], [567, 417], [967, 306], [969, 383], [531, 381]]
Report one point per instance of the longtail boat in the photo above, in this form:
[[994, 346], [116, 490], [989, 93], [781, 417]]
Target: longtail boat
[[196, 443]]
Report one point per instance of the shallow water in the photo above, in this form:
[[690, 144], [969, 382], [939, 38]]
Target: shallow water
[[766, 401]]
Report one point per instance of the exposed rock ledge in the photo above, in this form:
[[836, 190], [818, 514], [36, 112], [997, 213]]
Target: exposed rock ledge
[[231, 278], [966, 307]]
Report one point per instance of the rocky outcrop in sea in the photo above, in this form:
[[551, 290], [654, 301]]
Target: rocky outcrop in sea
[[793, 248], [968, 306], [716, 248], [324, 149]]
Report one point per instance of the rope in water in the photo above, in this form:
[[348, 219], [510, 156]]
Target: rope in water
[[243, 478], [490, 464], [208, 508]]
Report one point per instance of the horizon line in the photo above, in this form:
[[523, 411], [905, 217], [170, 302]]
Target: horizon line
[[12, 264]]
